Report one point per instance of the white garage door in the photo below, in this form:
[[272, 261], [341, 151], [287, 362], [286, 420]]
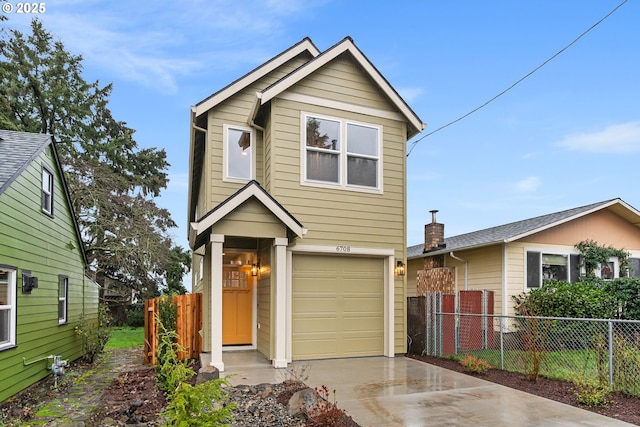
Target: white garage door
[[338, 307]]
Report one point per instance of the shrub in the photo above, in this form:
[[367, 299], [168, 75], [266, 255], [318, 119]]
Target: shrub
[[135, 315], [325, 412], [563, 299], [591, 393], [474, 364], [626, 366], [94, 333], [200, 405], [171, 372]]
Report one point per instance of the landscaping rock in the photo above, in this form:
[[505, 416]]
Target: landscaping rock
[[207, 373], [301, 402]]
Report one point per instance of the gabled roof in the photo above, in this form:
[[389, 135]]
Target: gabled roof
[[520, 229], [305, 45], [346, 45], [252, 189], [17, 151]]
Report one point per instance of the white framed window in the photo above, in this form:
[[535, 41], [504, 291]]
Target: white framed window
[[238, 153], [341, 153], [546, 266], [609, 270], [47, 191], [7, 307], [63, 294]]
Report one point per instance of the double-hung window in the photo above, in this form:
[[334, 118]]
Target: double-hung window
[[63, 296], [239, 153], [341, 153], [7, 307], [47, 191]]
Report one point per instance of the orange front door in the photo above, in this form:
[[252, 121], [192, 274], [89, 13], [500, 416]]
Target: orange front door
[[237, 306]]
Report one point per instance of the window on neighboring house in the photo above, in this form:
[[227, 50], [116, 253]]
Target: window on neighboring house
[[341, 153], [239, 162], [7, 307], [546, 267], [47, 191], [63, 293], [634, 267]]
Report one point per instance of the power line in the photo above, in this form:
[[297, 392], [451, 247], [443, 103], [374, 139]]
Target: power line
[[520, 80]]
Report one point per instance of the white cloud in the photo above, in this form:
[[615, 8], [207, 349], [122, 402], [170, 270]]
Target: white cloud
[[619, 138], [527, 185], [410, 93]]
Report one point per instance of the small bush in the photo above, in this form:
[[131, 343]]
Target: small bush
[[474, 364], [591, 393], [135, 315], [204, 404], [325, 412], [94, 333]]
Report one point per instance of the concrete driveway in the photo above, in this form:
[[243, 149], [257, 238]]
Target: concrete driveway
[[380, 391]]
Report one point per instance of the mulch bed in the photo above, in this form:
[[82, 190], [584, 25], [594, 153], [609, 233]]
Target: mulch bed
[[623, 407]]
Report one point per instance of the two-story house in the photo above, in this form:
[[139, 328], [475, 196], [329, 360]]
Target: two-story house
[[43, 286], [297, 208]]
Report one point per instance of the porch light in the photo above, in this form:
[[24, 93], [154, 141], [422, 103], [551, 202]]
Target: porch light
[[400, 268], [255, 269]]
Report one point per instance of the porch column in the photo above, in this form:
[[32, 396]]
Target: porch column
[[280, 304], [217, 241]]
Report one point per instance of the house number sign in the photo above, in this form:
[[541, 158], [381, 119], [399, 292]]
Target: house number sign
[[343, 248]]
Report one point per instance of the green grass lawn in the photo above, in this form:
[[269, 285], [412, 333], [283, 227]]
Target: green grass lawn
[[125, 337]]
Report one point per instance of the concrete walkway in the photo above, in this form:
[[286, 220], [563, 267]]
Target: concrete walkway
[[380, 391]]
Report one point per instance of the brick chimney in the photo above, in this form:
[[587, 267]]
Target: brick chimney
[[433, 233]]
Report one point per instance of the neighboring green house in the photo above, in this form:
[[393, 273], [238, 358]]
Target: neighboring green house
[[43, 287], [297, 208]]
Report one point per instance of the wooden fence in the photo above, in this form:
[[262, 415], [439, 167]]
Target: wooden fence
[[188, 325]]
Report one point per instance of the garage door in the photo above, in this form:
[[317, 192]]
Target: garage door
[[338, 307]]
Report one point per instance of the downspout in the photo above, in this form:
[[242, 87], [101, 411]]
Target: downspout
[[466, 270], [504, 278]]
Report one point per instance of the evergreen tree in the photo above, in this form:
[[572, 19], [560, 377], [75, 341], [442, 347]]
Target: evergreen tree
[[111, 179]]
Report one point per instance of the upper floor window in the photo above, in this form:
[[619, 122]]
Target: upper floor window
[[7, 307], [341, 153], [47, 191], [239, 161]]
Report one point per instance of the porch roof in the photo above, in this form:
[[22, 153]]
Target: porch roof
[[199, 230]]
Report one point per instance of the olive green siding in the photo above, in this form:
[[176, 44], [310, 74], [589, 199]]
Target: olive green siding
[[332, 216], [48, 247], [235, 111], [253, 219]]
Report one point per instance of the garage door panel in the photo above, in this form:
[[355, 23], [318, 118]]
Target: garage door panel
[[315, 305], [314, 325], [337, 308]]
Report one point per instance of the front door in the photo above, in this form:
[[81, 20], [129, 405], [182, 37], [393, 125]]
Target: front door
[[237, 305]]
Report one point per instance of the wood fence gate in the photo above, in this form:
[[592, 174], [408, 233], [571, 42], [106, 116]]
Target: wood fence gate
[[188, 326]]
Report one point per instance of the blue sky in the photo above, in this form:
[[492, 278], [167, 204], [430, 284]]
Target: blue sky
[[567, 136]]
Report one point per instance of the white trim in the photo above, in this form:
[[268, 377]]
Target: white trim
[[505, 285], [11, 307], [346, 250], [207, 104], [280, 307], [338, 105], [327, 56], [549, 250], [343, 155], [225, 153], [232, 204], [215, 308]]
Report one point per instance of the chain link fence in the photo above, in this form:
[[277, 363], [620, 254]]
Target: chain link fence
[[599, 351]]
